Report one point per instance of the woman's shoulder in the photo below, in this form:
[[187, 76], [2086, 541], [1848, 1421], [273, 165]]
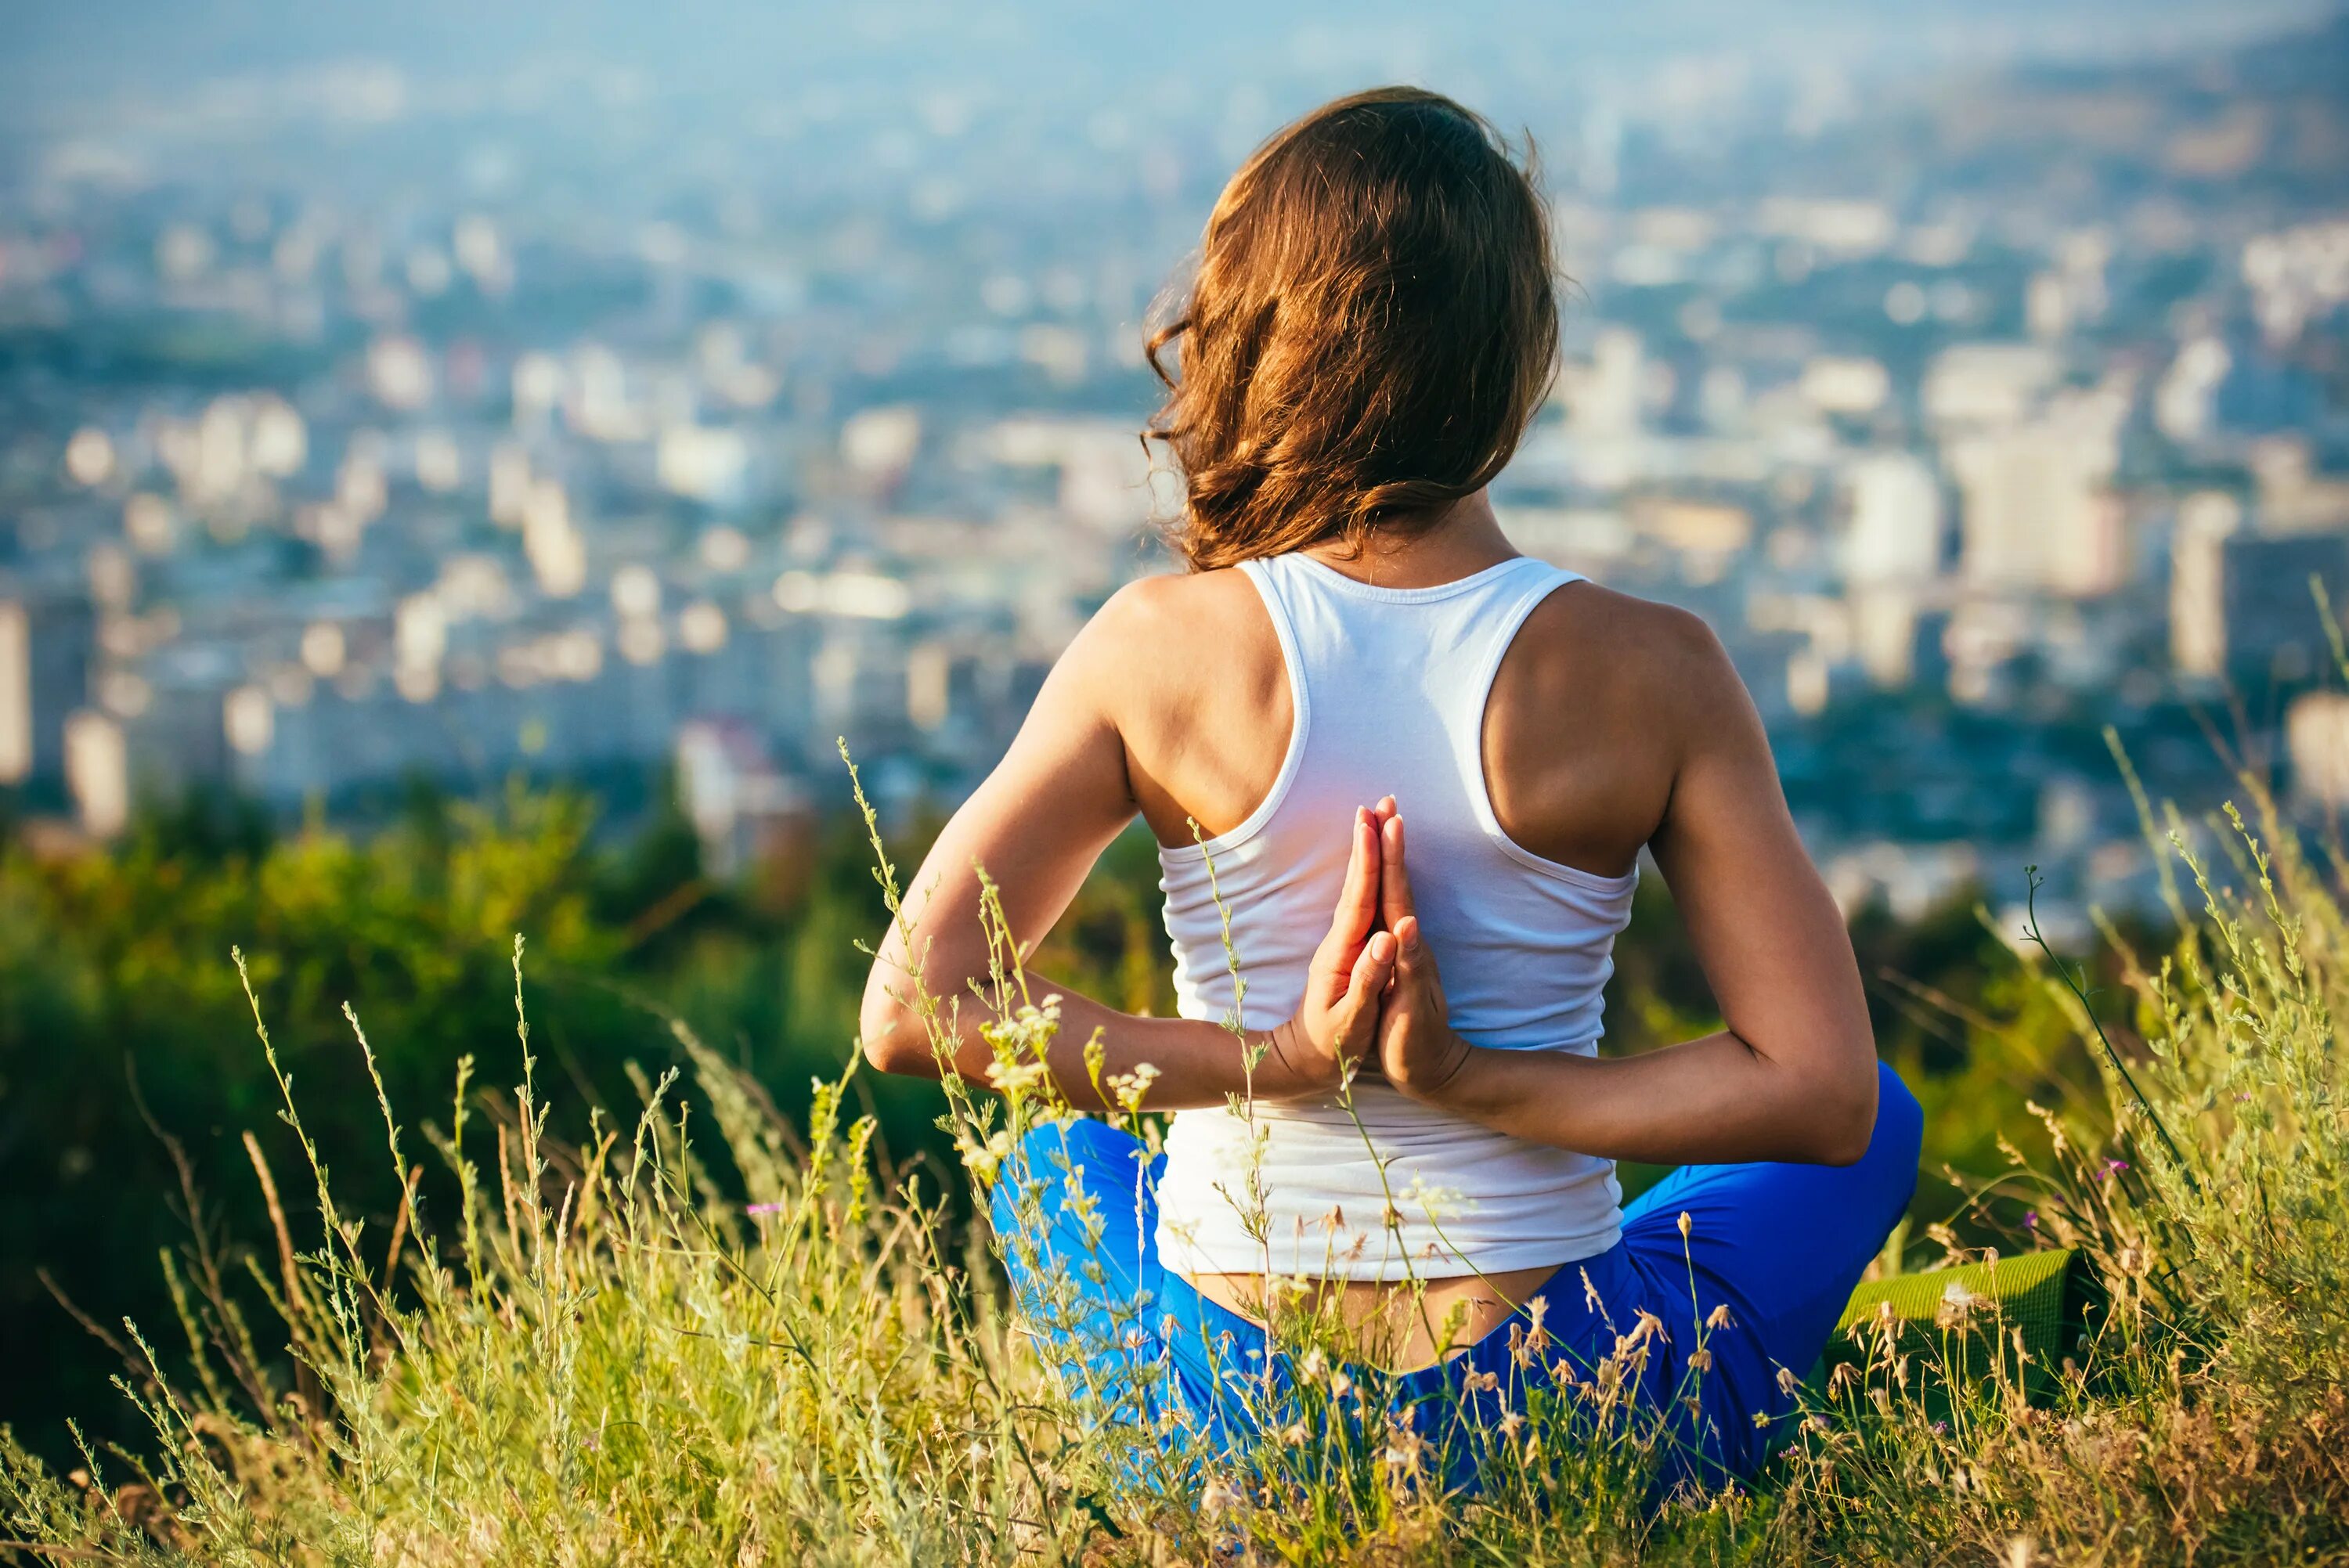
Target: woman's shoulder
[[1597, 652], [1637, 638], [1188, 670], [1170, 613], [1595, 709], [1161, 637]]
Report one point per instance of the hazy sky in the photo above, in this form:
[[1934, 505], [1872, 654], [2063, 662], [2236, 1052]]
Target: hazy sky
[[63, 55]]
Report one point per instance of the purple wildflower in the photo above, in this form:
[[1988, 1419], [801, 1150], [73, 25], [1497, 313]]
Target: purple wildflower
[[2031, 1219], [763, 1208]]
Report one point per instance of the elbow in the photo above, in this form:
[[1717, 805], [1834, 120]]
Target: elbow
[[1843, 1120], [893, 1037]]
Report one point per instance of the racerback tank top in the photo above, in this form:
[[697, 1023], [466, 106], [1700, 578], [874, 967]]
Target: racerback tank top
[[1388, 687]]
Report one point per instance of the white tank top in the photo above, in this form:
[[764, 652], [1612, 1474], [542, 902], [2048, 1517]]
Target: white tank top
[[1388, 687]]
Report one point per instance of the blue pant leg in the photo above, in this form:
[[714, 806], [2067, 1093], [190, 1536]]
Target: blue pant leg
[[1076, 1213], [1075, 1210], [1781, 1246]]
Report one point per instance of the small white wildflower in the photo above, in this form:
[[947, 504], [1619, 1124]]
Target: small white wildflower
[[1130, 1089], [1957, 1304], [984, 1159], [1015, 1077], [1435, 1202]]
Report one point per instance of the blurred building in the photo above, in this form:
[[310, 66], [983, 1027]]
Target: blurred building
[[45, 656], [745, 810], [2316, 736], [2272, 626]]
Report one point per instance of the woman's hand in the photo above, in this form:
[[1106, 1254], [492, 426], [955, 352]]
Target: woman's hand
[[1337, 1025], [1418, 1051]]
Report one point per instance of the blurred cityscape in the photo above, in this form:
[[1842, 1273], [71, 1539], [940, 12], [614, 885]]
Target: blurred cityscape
[[535, 410]]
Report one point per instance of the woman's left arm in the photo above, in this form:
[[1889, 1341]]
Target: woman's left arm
[[1036, 826], [1792, 1076]]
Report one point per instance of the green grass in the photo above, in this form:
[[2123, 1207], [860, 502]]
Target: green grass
[[710, 1335]]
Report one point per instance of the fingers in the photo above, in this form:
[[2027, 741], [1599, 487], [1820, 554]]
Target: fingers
[[1372, 969], [1414, 963], [1358, 902], [1414, 966], [1395, 879]]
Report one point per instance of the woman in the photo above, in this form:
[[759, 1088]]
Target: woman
[[1418, 769]]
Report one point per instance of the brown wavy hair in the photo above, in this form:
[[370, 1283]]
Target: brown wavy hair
[[1373, 321]]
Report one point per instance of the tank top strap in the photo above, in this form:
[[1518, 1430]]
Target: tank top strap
[[1528, 581], [1271, 574], [1276, 586], [1498, 619], [1497, 622]]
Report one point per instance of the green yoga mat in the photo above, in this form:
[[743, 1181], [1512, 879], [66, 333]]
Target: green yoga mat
[[1948, 1316]]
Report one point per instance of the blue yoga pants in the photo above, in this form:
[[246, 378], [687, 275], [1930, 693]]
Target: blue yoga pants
[[1781, 1246]]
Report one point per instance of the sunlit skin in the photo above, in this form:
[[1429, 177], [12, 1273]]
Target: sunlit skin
[[1614, 725]]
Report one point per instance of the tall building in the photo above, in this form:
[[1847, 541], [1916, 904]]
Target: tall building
[[97, 772], [2273, 628], [2198, 582], [2035, 511], [2316, 738], [45, 644], [743, 807], [1603, 398], [1892, 532]]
